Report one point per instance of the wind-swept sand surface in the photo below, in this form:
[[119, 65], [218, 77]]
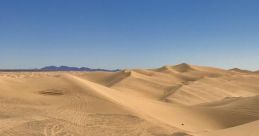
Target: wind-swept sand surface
[[181, 100]]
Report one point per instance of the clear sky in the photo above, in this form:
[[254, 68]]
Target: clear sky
[[129, 33]]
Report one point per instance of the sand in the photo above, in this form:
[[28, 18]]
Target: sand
[[180, 100]]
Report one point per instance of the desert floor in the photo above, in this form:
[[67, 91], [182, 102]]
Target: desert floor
[[180, 100]]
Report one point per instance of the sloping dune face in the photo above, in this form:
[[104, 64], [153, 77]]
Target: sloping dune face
[[181, 100]]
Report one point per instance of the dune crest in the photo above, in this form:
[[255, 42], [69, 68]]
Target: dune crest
[[184, 67]]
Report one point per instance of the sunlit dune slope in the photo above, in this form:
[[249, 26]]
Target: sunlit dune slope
[[249, 129], [55, 104]]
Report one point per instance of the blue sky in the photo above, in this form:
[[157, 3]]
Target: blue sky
[[129, 33]]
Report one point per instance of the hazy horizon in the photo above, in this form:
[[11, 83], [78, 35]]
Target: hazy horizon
[[129, 34], [125, 67]]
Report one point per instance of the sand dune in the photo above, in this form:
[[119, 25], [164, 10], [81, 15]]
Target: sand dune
[[170, 101]]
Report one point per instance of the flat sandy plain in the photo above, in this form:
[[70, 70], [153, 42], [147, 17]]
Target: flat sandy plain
[[180, 100]]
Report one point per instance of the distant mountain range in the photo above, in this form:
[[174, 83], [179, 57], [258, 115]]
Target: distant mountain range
[[61, 68]]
